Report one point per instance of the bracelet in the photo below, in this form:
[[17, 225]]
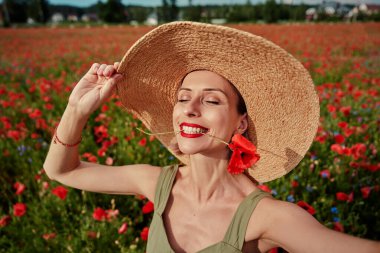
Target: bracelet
[[56, 139]]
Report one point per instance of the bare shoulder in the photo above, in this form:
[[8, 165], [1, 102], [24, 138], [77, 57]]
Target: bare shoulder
[[275, 214], [260, 218], [274, 220]]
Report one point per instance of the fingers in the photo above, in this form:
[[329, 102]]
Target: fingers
[[116, 65], [103, 69], [94, 68], [109, 88], [109, 70]]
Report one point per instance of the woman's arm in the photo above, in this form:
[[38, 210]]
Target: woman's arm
[[295, 230], [62, 163]]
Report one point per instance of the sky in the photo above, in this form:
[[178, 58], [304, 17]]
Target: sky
[[85, 3]]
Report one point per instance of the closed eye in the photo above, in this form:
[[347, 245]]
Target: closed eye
[[212, 102]]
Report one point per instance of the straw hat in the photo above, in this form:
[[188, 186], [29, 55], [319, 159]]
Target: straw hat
[[281, 101]]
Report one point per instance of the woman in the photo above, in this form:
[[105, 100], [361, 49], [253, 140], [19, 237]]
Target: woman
[[200, 90]]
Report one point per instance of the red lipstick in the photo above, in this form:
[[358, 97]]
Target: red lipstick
[[193, 135]]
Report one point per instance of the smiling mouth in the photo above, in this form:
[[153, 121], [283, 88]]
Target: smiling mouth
[[192, 130]]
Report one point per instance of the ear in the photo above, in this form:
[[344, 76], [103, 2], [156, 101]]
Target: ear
[[243, 124]]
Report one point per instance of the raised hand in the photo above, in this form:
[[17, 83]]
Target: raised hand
[[94, 88]]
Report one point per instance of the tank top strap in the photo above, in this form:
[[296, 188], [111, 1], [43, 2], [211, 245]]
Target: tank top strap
[[235, 234], [164, 186]]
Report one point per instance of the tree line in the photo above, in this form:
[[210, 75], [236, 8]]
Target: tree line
[[113, 11]]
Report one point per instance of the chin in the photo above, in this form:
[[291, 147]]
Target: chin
[[188, 150]]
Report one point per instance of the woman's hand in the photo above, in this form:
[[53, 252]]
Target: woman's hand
[[94, 88]]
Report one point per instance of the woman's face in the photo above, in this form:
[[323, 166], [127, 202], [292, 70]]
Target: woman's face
[[206, 102]]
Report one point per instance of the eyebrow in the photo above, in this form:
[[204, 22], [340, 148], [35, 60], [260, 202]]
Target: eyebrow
[[206, 89]]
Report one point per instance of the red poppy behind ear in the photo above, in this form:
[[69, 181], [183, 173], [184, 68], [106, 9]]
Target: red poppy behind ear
[[243, 154]]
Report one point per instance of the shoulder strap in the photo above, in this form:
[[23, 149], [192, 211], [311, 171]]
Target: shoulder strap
[[164, 186], [235, 234]]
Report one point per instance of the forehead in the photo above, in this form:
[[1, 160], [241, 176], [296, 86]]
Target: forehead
[[204, 79]]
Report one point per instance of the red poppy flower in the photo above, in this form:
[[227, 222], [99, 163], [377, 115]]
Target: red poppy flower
[[104, 108], [339, 138], [19, 187], [331, 108], [49, 106], [338, 227], [342, 124], [14, 134], [123, 228], [357, 94], [358, 150], [91, 234], [99, 214], [348, 131], [102, 151], [243, 154], [34, 135], [345, 110], [111, 214], [49, 236], [36, 113], [148, 207], [320, 139], [337, 148], [90, 157], [144, 234], [294, 183], [45, 185], [306, 206], [101, 132], [341, 196], [60, 192], [6, 122], [350, 197], [365, 191], [142, 142], [5, 220], [264, 188], [41, 124], [19, 209]]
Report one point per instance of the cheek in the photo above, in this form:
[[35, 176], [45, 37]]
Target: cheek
[[222, 121], [176, 113]]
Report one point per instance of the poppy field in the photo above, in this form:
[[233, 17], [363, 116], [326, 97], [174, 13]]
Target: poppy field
[[338, 181]]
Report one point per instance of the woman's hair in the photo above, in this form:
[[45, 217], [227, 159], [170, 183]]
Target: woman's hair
[[241, 107]]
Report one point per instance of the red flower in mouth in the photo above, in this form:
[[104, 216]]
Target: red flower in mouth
[[243, 154]]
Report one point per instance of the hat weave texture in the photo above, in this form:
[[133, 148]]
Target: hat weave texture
[[282, 104]]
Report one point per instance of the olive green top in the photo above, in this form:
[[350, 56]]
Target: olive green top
[[234, 238]]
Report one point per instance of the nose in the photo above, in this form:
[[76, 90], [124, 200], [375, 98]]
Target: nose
[[191, 108]]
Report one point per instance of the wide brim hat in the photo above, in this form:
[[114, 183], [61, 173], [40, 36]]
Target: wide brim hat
[[282, 104]]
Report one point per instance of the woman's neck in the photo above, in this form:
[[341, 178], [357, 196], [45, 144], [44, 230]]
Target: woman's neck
[[208, 179]]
